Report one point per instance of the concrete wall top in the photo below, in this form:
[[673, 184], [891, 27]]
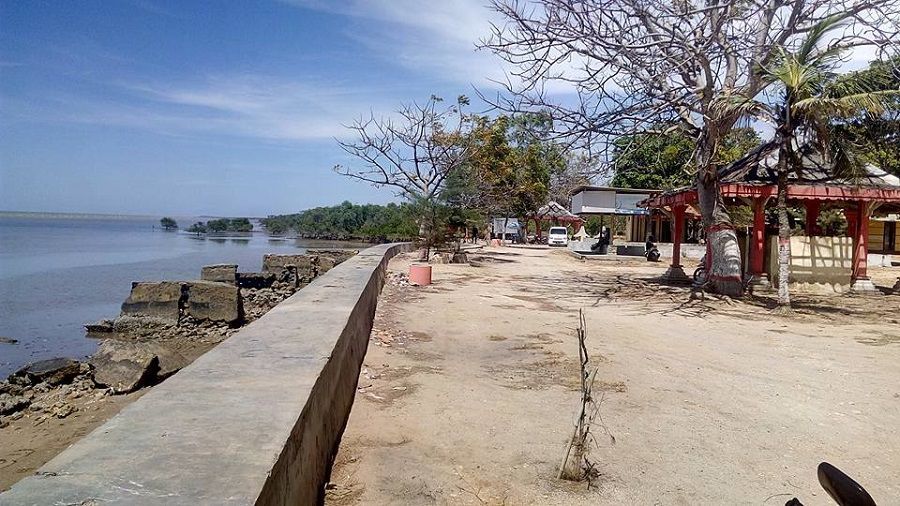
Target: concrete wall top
[[217, 432]]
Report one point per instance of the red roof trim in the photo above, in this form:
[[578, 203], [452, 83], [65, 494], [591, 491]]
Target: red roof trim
[[688, 196]]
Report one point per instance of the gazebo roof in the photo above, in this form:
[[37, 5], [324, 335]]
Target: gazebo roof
[[555, 211], [754, 176], [760, 164]]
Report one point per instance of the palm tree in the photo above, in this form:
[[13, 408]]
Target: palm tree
[[811, 100]]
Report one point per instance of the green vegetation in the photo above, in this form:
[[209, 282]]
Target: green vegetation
[[876, 136], [812, 108], [229, 225], [349, 221], [221, 225], [664, 161], [197, 228], [168, 223]]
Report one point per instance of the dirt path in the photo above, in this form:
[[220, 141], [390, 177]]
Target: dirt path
[[469, 391]]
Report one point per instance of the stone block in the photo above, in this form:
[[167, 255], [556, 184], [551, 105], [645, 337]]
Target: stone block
[[221, 273], [294, 269], [124, 366], [277, 263], [208, 300], [154, 299]]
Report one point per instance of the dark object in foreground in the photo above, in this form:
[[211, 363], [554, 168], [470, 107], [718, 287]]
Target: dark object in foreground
[[842, 488]]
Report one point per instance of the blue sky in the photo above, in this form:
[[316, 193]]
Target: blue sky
[[219, 108]]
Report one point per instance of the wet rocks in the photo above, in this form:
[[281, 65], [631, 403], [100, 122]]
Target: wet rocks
[[255, 280], [54, 371], [124, 366], [100, 327]]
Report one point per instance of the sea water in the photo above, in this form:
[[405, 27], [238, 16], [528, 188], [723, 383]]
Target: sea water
[[58, 273]]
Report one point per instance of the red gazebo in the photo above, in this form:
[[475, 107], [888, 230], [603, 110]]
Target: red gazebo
[[752, 181], [555, 212]]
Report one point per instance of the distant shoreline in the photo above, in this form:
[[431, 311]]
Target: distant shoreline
[[100, 216]]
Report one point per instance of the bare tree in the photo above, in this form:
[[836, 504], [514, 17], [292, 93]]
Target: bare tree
[[633, 65], [413, 152], [577, 171]]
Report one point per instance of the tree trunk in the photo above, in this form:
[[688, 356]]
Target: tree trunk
[[784, 235], [724, 276]]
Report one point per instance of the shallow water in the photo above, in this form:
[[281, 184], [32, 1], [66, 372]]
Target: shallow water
[[56, 274]]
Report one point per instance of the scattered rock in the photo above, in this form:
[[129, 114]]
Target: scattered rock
[[54, 371], [124, 366], [459, 258], [8, 340], [12, 403]]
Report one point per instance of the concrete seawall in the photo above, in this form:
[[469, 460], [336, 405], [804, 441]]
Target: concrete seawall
[[256, 420]]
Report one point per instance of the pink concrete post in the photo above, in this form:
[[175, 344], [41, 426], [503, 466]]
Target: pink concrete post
[[859, 279], [420, 274], [861, 243], [678, 217], [759, 280]]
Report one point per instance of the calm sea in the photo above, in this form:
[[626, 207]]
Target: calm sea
[[56, 274]]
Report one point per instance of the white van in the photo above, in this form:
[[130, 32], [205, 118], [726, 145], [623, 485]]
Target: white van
[[558, 236]]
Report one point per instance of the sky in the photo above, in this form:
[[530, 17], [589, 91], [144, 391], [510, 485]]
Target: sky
[[222, 108], [214, 108]]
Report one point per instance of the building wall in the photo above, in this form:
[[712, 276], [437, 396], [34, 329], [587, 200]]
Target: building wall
[[876, 236], [825, 261]]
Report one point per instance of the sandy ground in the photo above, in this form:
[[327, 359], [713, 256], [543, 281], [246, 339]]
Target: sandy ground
[[26, 445], [469, 390]]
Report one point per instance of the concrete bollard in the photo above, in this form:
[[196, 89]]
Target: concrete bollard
[[420, 274]]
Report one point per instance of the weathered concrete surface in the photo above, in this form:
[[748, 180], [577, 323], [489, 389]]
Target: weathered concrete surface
[[222, 273], [154, 299], [207, 300], [256, 420]]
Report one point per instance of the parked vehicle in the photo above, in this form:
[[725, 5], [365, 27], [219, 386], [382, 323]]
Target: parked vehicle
[[700, 272], [650, 249], [842, 488], [558, 236]]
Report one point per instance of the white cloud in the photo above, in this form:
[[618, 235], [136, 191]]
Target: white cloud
[[438, 38], [250, 106]]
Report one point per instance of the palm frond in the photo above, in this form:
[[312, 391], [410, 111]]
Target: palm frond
[[872, 102], [817, 33], [743, 107]]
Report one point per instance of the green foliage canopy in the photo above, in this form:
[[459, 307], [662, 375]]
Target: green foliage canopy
[[349, 221], [662, 161]]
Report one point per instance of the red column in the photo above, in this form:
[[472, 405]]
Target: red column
[[677, 234], [861, 243], [758, 246], [812, 214]]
